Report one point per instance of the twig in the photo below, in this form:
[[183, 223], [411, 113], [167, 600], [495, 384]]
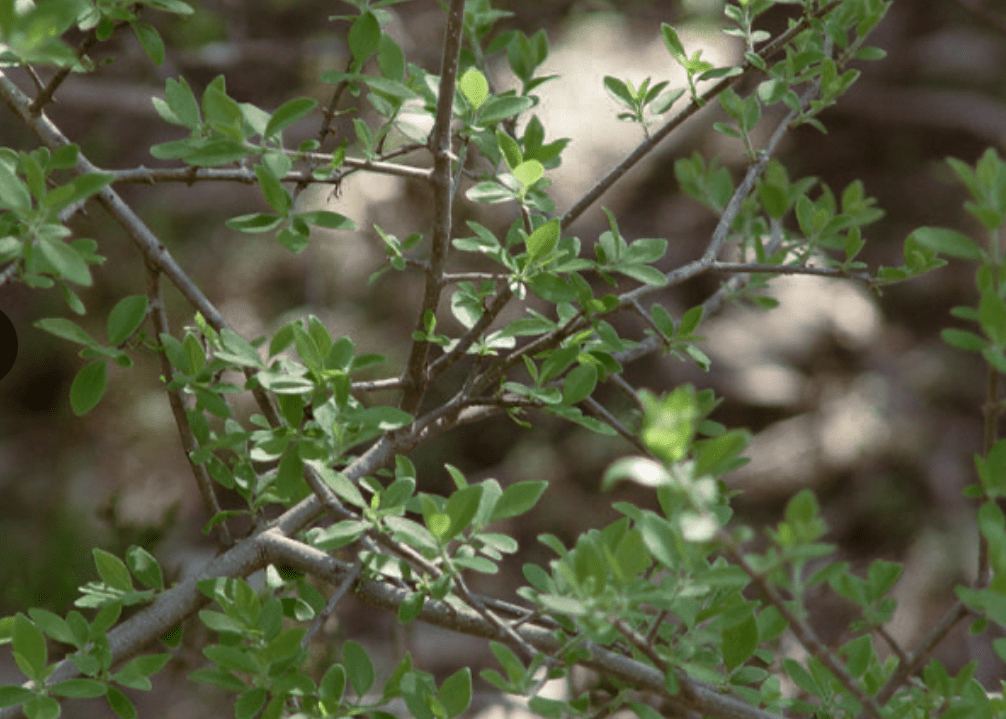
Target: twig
[[46, 96], [204, 482], [956, 613], [340, 591], [600, 410], [329, 115], [893, 644], [836, 272], [446, 361]]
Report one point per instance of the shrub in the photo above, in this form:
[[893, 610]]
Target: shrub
[[671, 610]]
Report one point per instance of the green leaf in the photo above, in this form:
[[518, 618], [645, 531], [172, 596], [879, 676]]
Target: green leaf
[[29, 647], [660, 539], [182, 102], [217, 106], [739, 642], [643, 273], [66, 261], [124, 319], [619, 91], [456, 692], [992, 316], [949, 242], [672, 42], [801, 677], [213, 152], [150, 40], [474, 86], [88, 387], [14, 194], [579, 384], [510, 149], [256, 222], [438, 524], [338, 535], [238, 350], [52, 625], [328, 220], [77, 189], [274, 192], [176, 7], [719, 454], [68, 330], [528, 173], [548, 708], [461, 508], [870, 53], [79, 688], [364, 37], [498, 108], [390, 58], [773, 199], [411, 608], [359, 668], [509, 661], [518, 499], [287, 114], [490, 193], [41, 707], [144, 567], [232, 658], [332, 685], [542, 241], [641, 470], [112, 570], [340, 484], [250, 703], [11, 695]]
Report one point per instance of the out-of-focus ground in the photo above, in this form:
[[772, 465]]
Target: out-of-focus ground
[[852, 395]]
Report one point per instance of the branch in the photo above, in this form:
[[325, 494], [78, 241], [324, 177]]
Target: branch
[[440, 145], [190, 175], [184, 599], [694, 695]]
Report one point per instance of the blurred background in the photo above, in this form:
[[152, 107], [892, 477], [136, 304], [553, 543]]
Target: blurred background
[[850, 394]]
